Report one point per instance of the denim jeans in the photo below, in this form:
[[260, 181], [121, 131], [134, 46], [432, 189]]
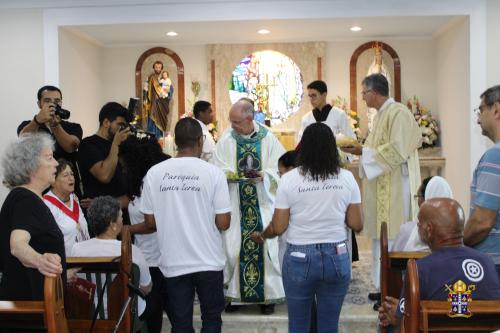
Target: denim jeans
[[179, 293], [315, 271]]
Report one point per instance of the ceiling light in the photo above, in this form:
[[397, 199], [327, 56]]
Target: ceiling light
[[355, 28], [263, 31], [171, 33]]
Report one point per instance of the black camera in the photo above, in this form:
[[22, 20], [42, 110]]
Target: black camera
[[62, 113], [132, 128]]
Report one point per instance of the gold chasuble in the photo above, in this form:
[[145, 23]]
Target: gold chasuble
[[395, 139]]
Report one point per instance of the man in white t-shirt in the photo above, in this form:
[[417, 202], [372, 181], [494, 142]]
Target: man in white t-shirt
[[187, 200], [202, 111]]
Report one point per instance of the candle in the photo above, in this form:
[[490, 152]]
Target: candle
[[169, 145]]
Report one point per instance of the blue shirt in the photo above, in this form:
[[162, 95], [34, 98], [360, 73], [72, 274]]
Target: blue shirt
[[448, 265], [485, 193]]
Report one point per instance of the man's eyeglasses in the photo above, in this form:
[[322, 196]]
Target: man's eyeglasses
[[480, 109], [364, 92]]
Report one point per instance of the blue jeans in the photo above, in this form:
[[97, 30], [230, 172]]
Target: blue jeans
[[179, 293], [311, 271]]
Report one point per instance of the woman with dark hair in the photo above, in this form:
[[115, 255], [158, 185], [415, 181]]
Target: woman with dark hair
[[106, 222], [314, 203], [64, 206], [138, 153]]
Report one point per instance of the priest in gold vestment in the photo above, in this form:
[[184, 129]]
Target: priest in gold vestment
[[389, 165]]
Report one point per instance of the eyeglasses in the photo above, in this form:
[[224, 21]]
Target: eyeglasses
[[480, 109], [364, 92]]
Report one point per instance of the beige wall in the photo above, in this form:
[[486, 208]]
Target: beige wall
[[452, 59], [21, 68], [493, 42], [417, 58], [417, 69], [80, 78], [118, 75]]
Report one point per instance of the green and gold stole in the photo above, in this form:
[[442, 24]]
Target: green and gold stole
[[248, 155]]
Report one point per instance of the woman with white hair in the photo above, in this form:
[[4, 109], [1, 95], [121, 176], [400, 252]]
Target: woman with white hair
[[31, 244], [407, 239]]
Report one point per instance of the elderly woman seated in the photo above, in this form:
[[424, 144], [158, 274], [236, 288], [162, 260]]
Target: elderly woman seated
[[31, 244], [104, 217], [408, 239]]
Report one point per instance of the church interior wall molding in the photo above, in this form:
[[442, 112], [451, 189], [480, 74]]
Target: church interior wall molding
[[179, 86], [359, 66], [223, 58]]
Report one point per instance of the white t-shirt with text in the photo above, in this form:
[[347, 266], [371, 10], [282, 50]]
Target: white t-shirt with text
[[184, 195], [147, 243], [317, 208]]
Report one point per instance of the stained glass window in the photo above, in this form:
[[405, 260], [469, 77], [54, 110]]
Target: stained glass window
[[272, 80]]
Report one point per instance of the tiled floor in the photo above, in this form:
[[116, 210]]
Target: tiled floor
[[357, 314]]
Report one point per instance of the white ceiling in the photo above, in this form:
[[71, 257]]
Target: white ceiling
[[246, 31]]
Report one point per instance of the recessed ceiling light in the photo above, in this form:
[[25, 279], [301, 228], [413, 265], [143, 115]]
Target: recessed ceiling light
[[355, 28], [171, 33], [263, 31]]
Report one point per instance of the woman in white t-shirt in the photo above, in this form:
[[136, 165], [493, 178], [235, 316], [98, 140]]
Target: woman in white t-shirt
[[313, 204], [138, 153], [65, 208]]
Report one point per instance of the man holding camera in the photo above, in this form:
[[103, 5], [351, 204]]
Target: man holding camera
[[98, 154], [49, 119]]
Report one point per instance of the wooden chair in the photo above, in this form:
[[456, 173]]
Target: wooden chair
[[27, 314], [392, 265], [80, 316], [432, 316]]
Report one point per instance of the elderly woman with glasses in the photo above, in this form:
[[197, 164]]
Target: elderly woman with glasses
[[31, 243], [65, 207]]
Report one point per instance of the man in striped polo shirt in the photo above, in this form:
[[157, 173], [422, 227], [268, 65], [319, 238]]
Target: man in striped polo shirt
[[482, 230]]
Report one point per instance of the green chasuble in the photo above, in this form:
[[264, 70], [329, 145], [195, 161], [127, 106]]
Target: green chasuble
[[248, 157]]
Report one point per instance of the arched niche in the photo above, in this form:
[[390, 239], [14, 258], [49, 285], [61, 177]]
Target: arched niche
[[356, 86], [179, 82]]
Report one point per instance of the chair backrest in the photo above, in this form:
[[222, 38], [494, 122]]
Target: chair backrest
[[392, 264], [55, 315], [430, 316], [80, 317], [27, 314]]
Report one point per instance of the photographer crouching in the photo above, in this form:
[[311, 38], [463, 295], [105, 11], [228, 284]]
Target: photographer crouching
[[52, 119]]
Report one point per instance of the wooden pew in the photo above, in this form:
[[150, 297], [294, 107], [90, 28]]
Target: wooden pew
[[392, 264], [80, 316], [27, 314], [431, 316]]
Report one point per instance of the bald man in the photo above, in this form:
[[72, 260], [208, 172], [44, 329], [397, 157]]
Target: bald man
[[441, 226]]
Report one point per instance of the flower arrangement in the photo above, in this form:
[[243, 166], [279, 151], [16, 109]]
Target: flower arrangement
[[212, 129], [427, 123], [341, 103]]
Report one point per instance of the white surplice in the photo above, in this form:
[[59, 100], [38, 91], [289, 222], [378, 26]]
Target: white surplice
[[337, 120], [225, 158]]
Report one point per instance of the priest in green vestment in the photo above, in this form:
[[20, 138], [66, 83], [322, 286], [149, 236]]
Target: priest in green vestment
[[248, 153], [389, 165]]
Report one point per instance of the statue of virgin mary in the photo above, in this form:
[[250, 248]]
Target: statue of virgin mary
[[377, 67]]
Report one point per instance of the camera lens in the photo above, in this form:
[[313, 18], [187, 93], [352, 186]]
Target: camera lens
[[62, 113]]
